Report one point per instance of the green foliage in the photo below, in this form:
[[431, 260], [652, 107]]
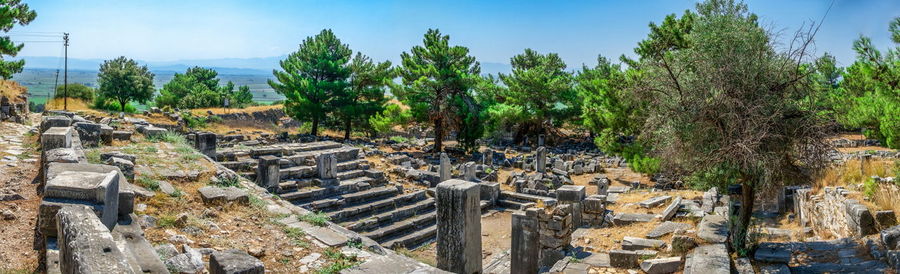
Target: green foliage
[[313, 77], [317, 219], [123, 80], [170, 137], [438, 80], [718, 176], [872, 90], [12, 13], [391, 116], [75, 90], [399, 139], [227, 182], [107, 104], [166, 221], [147, 182], [199, 88], [539, 91], [341, 262], [870, 186], [92, 155], [364, 98], [296, 235]]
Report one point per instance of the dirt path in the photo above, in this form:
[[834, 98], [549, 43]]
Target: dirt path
[[18, 198]]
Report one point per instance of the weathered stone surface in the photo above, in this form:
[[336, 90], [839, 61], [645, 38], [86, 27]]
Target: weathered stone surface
[[774, 269], [268, 172], [540, 161], [885, 218], [55, 121], [106, 134], [490, 192], [661, 265], [713, 229], [458, 226], [121, 135], [126, 166], [670, 210], [525, 251], [628, 258], [890, 236], [85, 244], [213, 195], [444, 168], [326, 164], [138, 252], [234, 261], [682, 243], [634, 243], [191, 261], [742, 266], [56, 137], [654, 202], [205, 142], [153, 132], [772, 253], [712, 258], [629, 218], [106, 155], [89, 133], [91, 187]]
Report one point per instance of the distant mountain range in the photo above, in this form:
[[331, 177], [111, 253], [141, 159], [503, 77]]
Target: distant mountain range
[[229, 66]]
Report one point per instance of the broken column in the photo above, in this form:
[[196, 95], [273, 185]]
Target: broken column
[[525, 251], [326, 164], [444, 168], [540, 160], [469, 172], [540, 140], [573, 195], [458, 226], [206, 143], [268, 172]]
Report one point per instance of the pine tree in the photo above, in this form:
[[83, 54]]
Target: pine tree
[[365, 96], [12, 12]]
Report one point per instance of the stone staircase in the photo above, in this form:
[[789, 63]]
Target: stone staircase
[[361, 200]]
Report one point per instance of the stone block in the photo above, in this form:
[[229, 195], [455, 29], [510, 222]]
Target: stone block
[[490, 192], [106, 155], [712, 258], [570, 193], [670, 210], [121, 135], [458, 226], [205, 142], [85, 244], [525, 250], [629, 218], [634, 243], [654, 202], [126, 166], [444, 167], [268, 172], [885, 218], [772, 253], [91, 187], [56, 137], [628, 258], [106, 134], [594, 204], [666, 228], [326, 165], [540, 161], [215, 195], [234, 261], [774, 269], [890, 237], [713, 229], [55, 121], [661, 265], [89, 133], [153, 132]]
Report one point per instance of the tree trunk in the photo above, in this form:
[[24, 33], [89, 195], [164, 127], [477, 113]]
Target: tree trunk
[[315, 126], [348, 127], [739, 237], [438, 135], [122, 105]]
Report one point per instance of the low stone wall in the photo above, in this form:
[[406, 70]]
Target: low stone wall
[[831, 211], [13, 111]]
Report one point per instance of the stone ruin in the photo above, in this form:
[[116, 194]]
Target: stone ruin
[[14, 110]]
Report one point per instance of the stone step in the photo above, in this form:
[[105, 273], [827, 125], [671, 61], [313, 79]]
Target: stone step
[[352, 164], [412, 240], [337, 201], [526, 198], [511, 204], [374, 207], [392, 216], [399, 227], [350, 174]]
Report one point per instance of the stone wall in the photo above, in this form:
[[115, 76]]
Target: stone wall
[[14, 110], [833, 212]]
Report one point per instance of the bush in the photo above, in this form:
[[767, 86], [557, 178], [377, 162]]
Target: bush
[[399, 139], [111, 105], [317, 219], [76, 90]]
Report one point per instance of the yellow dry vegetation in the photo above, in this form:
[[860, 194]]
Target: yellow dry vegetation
[[205, 111], [11, 89]]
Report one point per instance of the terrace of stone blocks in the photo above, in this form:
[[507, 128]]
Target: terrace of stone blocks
[[162, 198]]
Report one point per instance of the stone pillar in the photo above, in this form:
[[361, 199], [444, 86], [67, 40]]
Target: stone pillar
[[541, 140], [573, 195], [488, 157], [444, 168], [470, 172], [326, 164], [459, 226], [268, 172], [525, 251], [206, 143], [540, 160]]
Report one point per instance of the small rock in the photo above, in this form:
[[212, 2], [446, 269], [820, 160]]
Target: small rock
[[8, 215], [257, 252]]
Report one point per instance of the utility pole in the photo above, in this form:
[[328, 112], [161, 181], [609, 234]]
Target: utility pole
[[55, 84], [66, 72]]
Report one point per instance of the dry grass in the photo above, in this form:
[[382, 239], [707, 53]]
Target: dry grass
[[854, 172], [12, 90], [204, 111]]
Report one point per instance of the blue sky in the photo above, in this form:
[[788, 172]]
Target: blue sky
[[163, 30]]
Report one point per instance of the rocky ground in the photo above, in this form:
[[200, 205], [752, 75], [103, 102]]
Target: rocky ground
[[18, 197]]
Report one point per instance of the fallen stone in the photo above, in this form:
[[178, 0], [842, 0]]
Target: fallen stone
[[742, 266], [191, 261], [772, 253], [713, 229], [774, 269], [633, 243], [628, 258], [212, 195], [166, 251], [654, 202], [166, 188], [234, 261], [629, 218], [662, 265], [670, 210], [704, 259], [666, 228]]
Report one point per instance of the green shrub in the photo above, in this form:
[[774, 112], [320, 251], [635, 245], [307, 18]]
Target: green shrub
[[317, 219], [399, 139], [76, 90], [870, 187], [112, 105], [148, 182]]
